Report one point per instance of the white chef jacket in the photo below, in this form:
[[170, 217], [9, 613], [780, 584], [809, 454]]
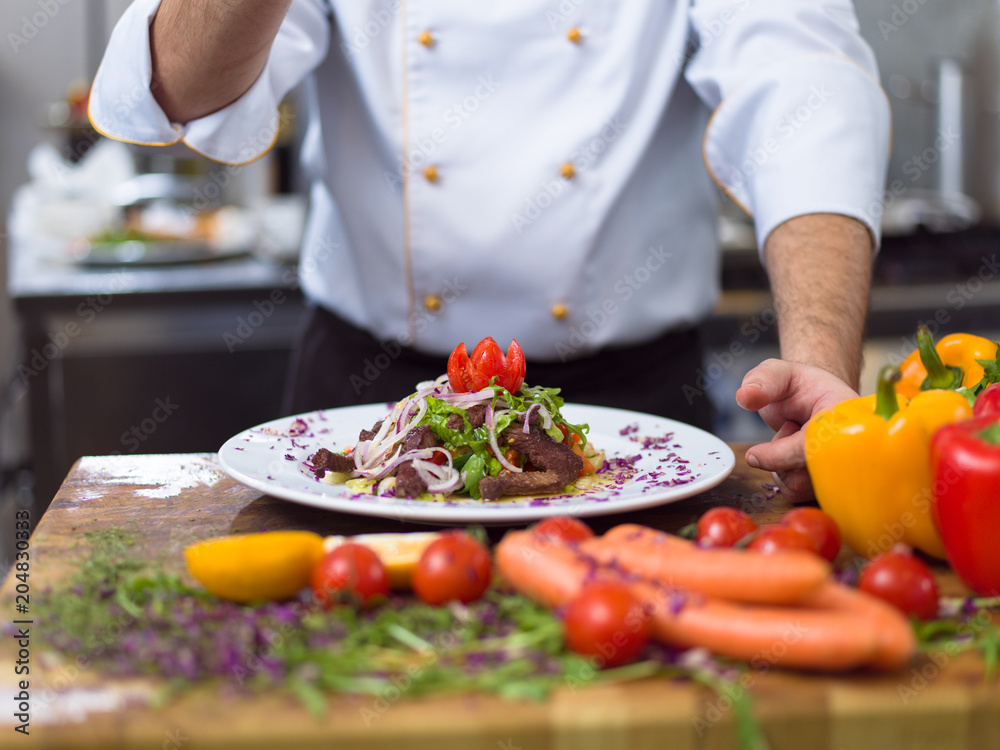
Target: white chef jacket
[[536, 169]]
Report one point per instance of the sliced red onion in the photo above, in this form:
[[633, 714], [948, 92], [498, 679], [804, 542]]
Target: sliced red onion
[[527, 417], [376, 453], [437, 478], [465, 400], [495, 445]]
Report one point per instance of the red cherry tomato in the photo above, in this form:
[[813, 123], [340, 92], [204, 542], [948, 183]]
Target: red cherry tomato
[[776, 538], [473, 372], [818, 526], [349, 571], [562, 529], [724, 526], [453, 568], [606, 620], [902, 580]]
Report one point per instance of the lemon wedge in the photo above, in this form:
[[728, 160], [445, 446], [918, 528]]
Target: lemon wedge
[[398, 552], [269, 566]]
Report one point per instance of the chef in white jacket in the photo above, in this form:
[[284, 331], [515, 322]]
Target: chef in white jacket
[[542, 170]]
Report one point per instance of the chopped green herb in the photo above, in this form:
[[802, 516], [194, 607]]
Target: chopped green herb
[[130, 618]]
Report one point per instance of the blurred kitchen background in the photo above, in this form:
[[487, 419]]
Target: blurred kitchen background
[[116, 346]]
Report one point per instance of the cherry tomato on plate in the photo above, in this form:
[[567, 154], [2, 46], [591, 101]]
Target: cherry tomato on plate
[[724, 526], [818, 526], [903, 580], [562, 529], [472, 372], [453, 568], [349, 571], [777, 538], [607, 621]]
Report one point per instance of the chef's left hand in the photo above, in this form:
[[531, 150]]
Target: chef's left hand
[[787, 395]]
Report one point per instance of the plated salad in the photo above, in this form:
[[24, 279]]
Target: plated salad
[[477, 430]]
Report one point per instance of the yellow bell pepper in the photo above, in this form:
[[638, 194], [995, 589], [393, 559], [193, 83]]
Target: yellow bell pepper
[[951, 364], [869, 460]]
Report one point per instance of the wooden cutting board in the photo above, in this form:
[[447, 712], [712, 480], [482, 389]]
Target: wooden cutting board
[[170, 501]]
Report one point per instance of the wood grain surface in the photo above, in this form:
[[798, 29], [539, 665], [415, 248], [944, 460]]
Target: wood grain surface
[[171, 501]]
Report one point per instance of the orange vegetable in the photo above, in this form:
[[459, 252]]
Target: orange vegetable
[[735, 574], [832, 629]]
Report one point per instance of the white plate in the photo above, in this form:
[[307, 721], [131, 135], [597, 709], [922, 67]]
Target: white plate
[[666, 461]]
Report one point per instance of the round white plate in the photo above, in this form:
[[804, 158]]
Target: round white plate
[[654, 460]]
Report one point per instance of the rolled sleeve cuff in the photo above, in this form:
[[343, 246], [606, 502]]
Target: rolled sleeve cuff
[[123, 107], [807, 135]]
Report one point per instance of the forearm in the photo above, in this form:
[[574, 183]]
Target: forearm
[[819, 267], [207, 53]]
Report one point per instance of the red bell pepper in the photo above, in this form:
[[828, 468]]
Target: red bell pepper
[[474, 373], [965, 469], [988, 402]]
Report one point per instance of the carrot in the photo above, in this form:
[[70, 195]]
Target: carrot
[[543, 570], [733, 574], [790, 637], [829, 639], [896, 640]]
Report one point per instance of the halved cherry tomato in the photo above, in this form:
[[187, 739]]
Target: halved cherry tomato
[[453, 568], [724, 526], [606, 620], [349, 571], [777, 538], [902, 580], [512, 455], [473, 373], [563, 529], [576, 444], [818, 526]]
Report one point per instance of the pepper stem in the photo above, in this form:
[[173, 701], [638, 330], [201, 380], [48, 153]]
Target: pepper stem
[[886, 403], [990, 434], [938, 374]]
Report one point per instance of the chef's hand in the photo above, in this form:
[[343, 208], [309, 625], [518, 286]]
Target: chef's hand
[[787, 395]]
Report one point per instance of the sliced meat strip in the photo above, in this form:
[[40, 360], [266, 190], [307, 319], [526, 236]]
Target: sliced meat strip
[[557, 466], [408, 481], [419, 438], [370, 434], [476, 415], [324, 461]]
